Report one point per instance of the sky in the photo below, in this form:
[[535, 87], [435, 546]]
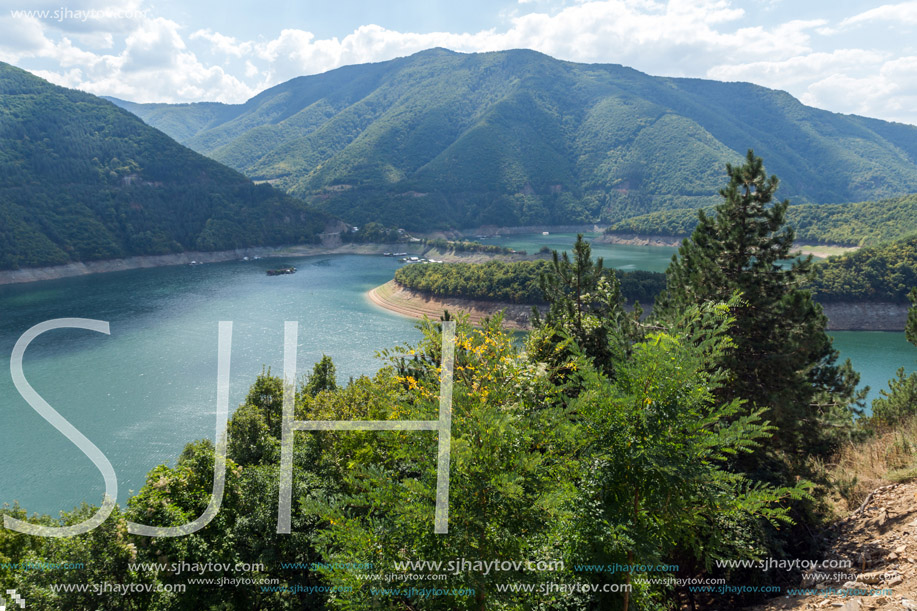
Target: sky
[[840, 55]]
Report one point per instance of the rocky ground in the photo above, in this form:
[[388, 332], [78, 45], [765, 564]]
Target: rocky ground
[[880, 541]]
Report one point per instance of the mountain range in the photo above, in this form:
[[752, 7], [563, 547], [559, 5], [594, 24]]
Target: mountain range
[[443, 139], [81, 179]]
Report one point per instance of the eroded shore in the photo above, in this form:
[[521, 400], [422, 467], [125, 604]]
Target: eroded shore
[[634, 239], [396, 298], [36, 274]]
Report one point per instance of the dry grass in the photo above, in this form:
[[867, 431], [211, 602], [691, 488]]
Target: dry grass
[[886, 457]]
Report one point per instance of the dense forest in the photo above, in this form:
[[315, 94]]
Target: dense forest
[[599, 441], [81, 179], [465, 246], [516, 282], [376, 233], [877, 273], [855, 224], [442, 139]]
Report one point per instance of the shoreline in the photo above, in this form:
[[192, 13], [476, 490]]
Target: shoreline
[[819, 251], [85, 268], [845, 316], [393, 297], [491, 230]]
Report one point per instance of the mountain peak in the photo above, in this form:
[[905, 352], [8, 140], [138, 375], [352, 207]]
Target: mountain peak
[[517, 137]]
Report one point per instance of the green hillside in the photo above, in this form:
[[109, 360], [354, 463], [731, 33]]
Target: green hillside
[[516, 282], [181, 126], [443, 139], [81, 179], [855, 224], [887, 272]]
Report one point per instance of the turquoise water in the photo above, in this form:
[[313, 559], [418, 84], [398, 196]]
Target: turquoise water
[[146, 390], [876, 355], [649, 258]]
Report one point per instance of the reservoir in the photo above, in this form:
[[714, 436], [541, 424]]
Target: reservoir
[[149, 388], [619, 256], [146, 390]]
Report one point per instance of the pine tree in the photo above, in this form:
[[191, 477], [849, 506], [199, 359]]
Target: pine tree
[[322, 378], [585, 305], [783, 359]]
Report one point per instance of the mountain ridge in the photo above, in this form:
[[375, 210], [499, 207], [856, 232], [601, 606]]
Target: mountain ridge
[[84, 180], [443, 139]]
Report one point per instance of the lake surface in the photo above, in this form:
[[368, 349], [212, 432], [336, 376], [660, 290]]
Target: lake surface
[[649, 258], [146, 390], [876, 355]]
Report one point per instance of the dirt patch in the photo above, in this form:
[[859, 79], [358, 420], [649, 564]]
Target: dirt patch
[[879, 539], [394, 297], [823, 251], [635, 239]]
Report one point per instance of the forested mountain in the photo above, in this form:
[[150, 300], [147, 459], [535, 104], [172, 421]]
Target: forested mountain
[[515, 137], [81, 179], [856, 224]]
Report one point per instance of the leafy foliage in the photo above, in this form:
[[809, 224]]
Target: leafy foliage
[[375, 233], [855, 224], [81, 179], [544, 468], [886, 272], [585, 307], [788, 363], [516, 282], [323, 377], [897, 403], [659, 441], [455, 246], [874, 274], [442, 139]]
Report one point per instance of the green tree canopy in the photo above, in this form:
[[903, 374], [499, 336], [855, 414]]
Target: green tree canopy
[[784, 360], [584, 305]]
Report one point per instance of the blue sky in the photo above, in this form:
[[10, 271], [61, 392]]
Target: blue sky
[[845, 56]]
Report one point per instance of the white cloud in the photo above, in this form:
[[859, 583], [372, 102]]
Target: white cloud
[[671, 39], [156, 45], [857, 81], [226, 45], [799, 69], [22, 37], [134, 55], [251, 70], [902, 13]]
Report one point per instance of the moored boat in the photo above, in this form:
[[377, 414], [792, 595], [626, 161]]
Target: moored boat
[[281, 271]]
